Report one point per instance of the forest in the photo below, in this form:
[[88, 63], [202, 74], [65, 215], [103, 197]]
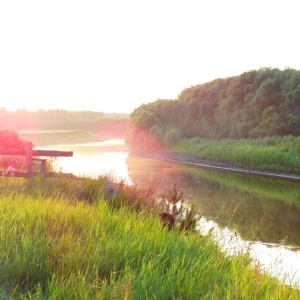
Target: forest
[[257, 103]]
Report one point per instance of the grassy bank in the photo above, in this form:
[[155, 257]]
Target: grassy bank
[[60, 239], [279, 154]]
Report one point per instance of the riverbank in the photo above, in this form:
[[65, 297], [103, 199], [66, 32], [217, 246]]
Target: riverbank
[[105, 248], [276, 156], [196, 161]]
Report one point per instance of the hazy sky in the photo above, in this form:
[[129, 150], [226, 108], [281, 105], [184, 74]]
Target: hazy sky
[[114, 55]]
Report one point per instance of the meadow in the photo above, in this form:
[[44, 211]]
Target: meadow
[[279, 154], [62, 238]]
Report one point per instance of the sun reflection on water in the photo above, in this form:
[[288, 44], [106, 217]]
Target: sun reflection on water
[[279, 261], [95, 159], [104, 163]]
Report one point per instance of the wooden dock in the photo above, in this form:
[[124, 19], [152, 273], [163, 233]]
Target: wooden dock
[[31, 154]]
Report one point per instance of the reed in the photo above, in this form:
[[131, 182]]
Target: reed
[[280, 154], [57, 246]]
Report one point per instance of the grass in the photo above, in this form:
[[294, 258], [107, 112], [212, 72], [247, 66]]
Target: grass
[[280, 154], [60, 239]]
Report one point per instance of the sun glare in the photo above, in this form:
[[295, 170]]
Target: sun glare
[[100, 164]]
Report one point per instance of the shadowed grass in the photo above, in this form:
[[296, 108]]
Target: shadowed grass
[[55, 246]]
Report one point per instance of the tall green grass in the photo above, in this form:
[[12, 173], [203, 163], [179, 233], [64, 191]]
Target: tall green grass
[[280, 154], [56, 246]]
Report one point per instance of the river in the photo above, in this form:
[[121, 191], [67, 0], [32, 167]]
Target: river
[[251, 213]]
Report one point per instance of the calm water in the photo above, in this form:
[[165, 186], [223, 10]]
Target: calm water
[[254, 213]]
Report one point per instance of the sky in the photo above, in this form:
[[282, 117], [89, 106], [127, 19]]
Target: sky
[[113, 56]]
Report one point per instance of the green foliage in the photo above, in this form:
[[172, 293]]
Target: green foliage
[[257, 103], [142, 141], [279, 154], [54, 246], [172, 136], [268, 124], [185, 217], [173, 202], [146, 130]]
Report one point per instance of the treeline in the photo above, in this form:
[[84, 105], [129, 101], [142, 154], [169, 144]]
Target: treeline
[[101, 123], [257, 103]]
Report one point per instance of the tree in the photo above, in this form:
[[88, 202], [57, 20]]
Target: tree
[[268, 125], [256, 103], [172, 136], [10, 140]]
